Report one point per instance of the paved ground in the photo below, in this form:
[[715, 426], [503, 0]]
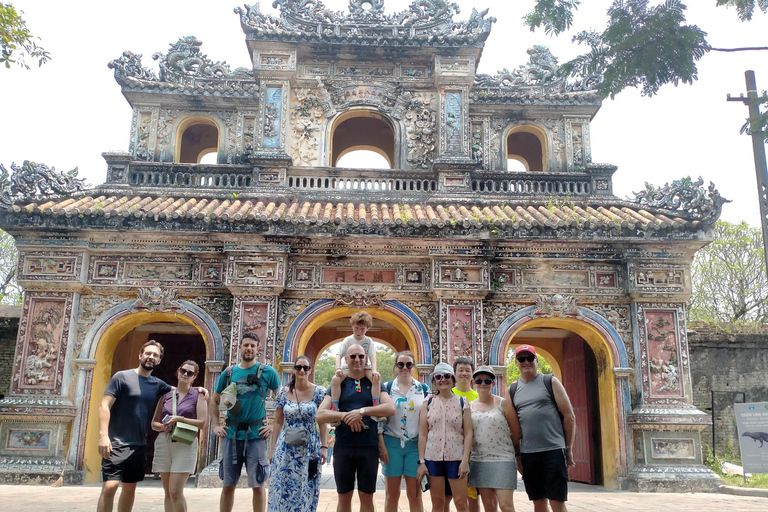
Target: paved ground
[[149, 498]]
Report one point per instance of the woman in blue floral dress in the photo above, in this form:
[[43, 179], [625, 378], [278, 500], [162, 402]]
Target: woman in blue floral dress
[[294, 483]]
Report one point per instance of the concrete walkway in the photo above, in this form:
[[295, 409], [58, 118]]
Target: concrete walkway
[[582, 498]]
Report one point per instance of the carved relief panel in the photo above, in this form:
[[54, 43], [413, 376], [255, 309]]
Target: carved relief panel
[[43, 339], [144, 271], [382, 275], [454, 122], [460, 330], [307, 116], [421, 131], [600, 280], [274, 104], [144, 133], [663, 353], [577, 143], [256, 314], [658, 279], [50, 267], [264, 272], [460, 274]]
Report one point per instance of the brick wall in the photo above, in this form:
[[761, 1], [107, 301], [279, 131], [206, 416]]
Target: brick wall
[[9, 328], [728, 363]]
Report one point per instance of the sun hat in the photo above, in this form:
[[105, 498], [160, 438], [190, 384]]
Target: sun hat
[[484, 369], [442, 368]]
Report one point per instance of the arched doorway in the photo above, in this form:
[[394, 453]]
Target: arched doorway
[[581, 333], [113, 344], [324, 323]]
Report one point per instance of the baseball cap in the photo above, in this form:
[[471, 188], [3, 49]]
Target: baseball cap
[[484, 369], [525, 348]]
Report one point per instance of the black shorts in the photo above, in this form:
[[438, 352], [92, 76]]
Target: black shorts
[[125, 464], [349, 462], [546, 475]]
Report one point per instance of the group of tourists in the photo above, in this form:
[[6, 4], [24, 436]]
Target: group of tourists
[[455, 438]]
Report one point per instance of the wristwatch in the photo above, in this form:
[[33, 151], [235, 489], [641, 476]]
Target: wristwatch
[[361, 411], [422, 461]]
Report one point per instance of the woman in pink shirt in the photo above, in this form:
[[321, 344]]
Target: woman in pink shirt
[[445, 440]]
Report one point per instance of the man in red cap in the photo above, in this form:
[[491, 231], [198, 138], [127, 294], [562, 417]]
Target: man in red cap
[[544, 441]]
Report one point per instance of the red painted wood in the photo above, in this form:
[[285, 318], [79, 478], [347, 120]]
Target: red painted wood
[[574, 381]]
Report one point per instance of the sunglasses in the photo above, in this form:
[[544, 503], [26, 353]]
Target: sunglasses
[[356, 356], [522, 359], [441, 376], [402, 365], [358, 389], [188, 373], [487, 382], [302, 367]]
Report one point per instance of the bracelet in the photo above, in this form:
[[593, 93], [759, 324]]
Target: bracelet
[[323, 447]]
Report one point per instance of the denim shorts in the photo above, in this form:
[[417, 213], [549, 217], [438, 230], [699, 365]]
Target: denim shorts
[[402, 461], [256, 462]]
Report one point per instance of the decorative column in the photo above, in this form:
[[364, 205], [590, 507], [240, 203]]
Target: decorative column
[[665, 425]]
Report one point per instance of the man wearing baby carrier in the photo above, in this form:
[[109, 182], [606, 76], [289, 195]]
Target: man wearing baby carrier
[[242, 390]]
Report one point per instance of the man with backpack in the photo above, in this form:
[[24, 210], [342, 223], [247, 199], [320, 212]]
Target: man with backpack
[[544, 450], [242, 389]]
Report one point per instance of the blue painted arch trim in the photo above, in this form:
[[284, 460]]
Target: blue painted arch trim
[[198, 316], [498, 338]]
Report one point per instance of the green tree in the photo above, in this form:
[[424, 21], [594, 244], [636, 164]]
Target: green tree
[[16, 41], [513, 372], [728, 277], [385, 362], [642, 46], [10, 292], [325, 367]]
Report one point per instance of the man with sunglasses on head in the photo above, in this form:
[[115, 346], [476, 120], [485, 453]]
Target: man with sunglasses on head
[[544, 451], [244, 436], [356, 455]]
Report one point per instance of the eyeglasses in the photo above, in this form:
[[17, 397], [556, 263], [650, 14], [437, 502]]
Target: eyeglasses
[[188, 373], [358, 389], [402, 365], [356, 356], [302, 367], [441, 376], [522, 359], [487, 382]]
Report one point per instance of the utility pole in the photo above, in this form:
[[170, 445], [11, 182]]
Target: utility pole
[[753, 100]]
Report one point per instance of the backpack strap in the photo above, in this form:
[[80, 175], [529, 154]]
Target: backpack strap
[[548, 384], [424, 389], [511, 394], [389, 387]]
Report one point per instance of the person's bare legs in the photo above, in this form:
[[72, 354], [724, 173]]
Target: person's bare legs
[[127, 495], [167, 500], [504, 499], [459, 490], [474, 503], [259, 501], [107, 496], [366, 502], [487, 496], [345, 502], [392, 493], [176, 482], [437, 492], [413, 491], [447, 504], [558, 506], [227, 499]]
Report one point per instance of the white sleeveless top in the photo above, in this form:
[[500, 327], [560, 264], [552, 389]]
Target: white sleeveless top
[[492, 440]]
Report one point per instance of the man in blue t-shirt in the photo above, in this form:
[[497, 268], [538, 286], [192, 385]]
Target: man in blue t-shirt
[[124, 416], [244, 438], [356, 453]]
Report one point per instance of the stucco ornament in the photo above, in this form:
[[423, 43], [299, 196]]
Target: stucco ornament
[[351, 298], [555, 306], [421, 125], [185, 60], [157, 299], [32, 181], [687, 196], [129, 65]]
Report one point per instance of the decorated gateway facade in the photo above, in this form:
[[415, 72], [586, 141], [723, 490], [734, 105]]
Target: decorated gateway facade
[[451, 251]]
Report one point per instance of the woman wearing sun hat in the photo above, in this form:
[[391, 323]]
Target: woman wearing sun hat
[[492, 468], [445, 440]]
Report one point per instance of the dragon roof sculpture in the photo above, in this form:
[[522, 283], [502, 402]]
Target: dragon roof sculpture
[[424, 23]]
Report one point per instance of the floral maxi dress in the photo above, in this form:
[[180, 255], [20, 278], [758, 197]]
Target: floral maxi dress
[[290, 489]]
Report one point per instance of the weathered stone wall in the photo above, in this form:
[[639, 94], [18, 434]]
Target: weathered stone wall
[[728, 363], [9, 327]]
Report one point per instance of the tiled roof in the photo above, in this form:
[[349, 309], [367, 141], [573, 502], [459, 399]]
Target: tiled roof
[[450, 215]]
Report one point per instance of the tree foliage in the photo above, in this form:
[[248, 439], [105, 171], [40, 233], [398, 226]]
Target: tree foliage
[[325, 367], [643, 45], [10, 292], [729, 278], [16, 41], [513, 372]]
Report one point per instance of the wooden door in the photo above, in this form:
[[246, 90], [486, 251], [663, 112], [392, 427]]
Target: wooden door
[[575, 383]]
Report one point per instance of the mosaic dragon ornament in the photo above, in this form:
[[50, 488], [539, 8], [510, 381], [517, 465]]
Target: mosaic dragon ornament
[[32, 181], [686, 196]]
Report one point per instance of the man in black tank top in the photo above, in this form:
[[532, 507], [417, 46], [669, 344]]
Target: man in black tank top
[[544, 439]]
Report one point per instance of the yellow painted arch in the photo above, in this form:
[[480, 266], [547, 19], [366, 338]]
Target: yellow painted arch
[[332, 314], [606, 385], [102, 372]]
